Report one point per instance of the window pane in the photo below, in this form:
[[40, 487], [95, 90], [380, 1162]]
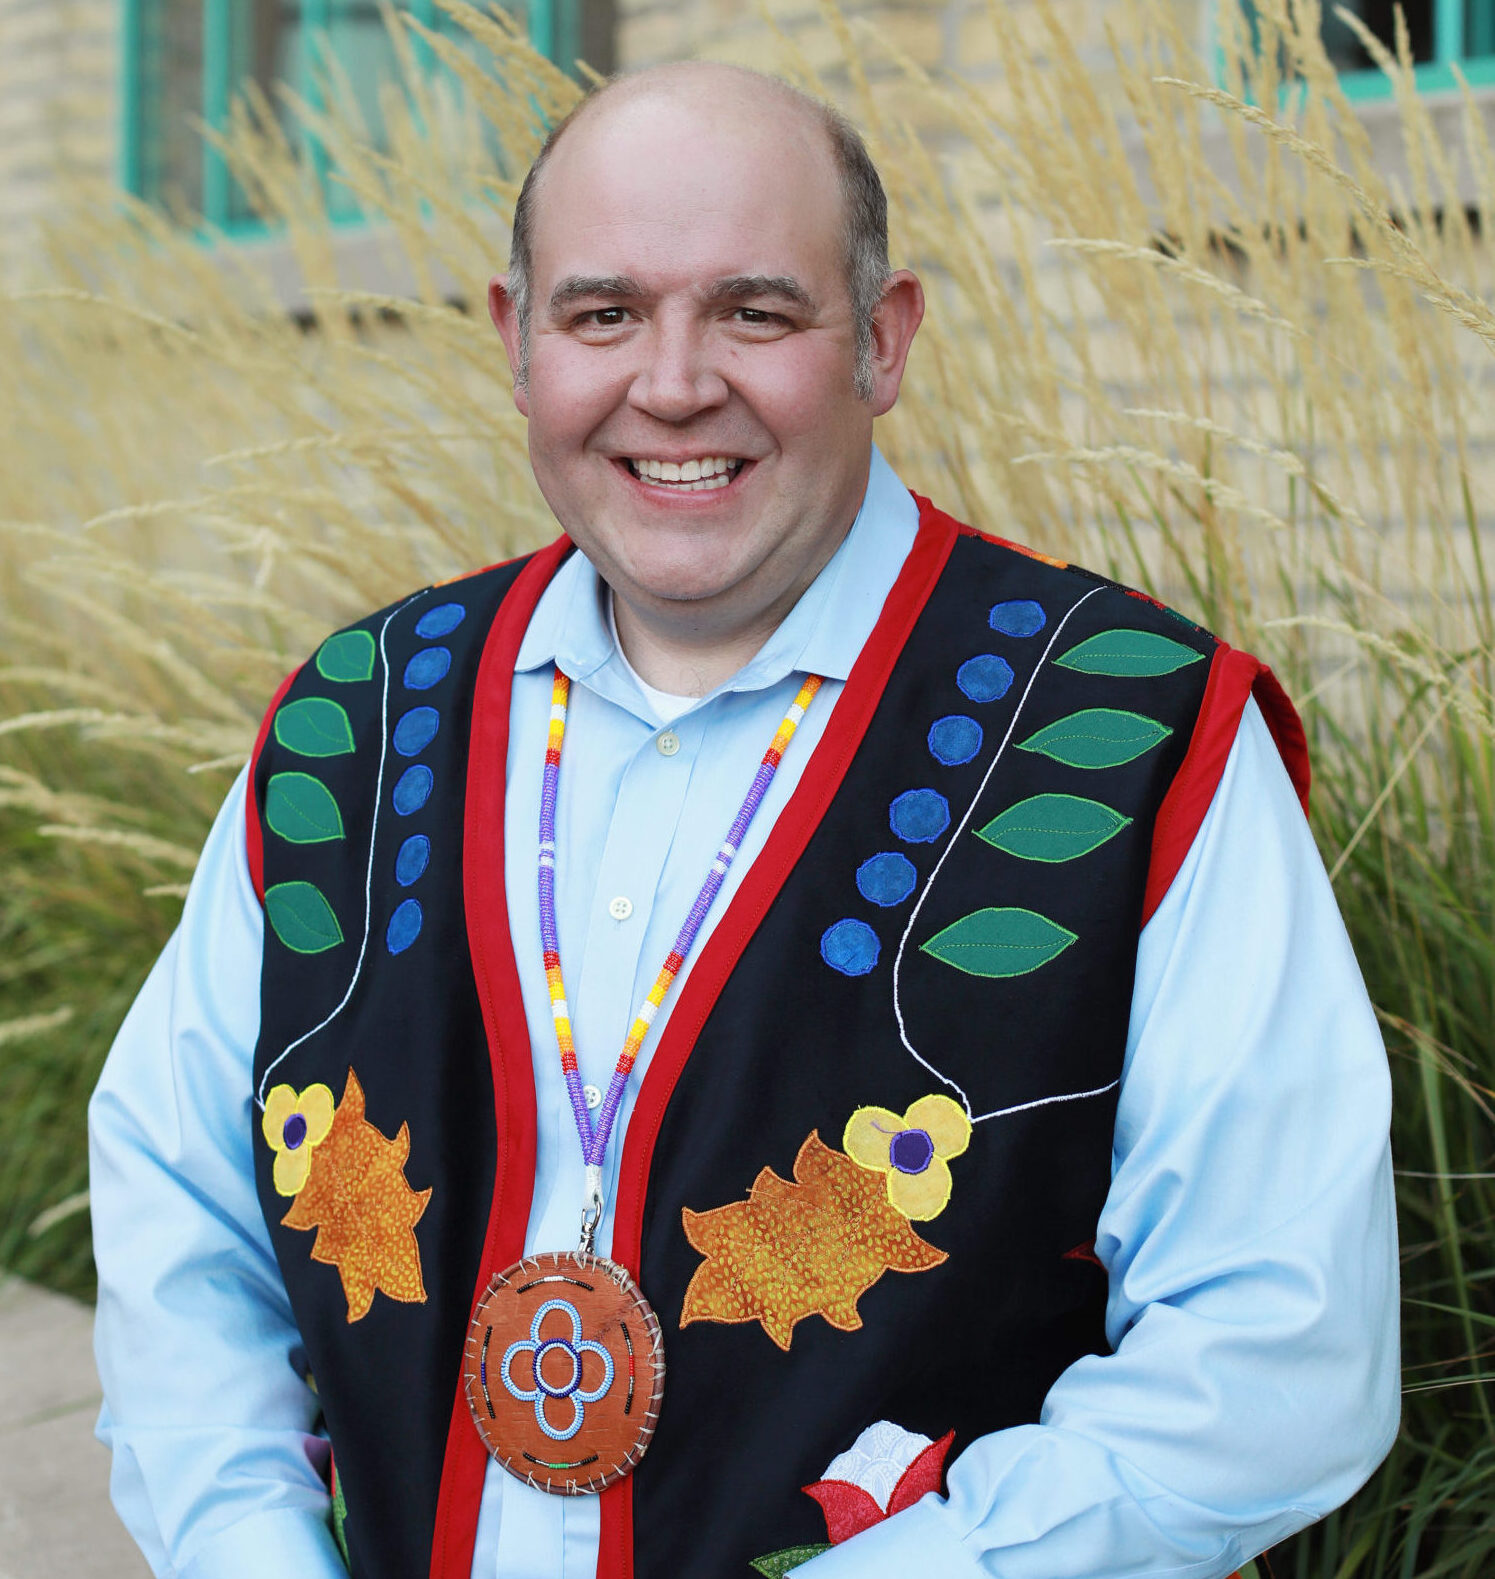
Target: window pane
[[266, 50], [270, 42], [274, 42], [1379, 16], [168, 94], [357, 39], [596, 32], [1479, 27]]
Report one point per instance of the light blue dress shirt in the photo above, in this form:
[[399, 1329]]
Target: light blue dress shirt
[[1248, 1233]]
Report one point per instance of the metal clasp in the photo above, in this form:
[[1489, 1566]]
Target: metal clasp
[[591, 1214]]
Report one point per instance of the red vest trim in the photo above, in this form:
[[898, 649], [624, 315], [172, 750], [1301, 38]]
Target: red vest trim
[[254, 834], [497, 976], [813, 794], [1234, 677]]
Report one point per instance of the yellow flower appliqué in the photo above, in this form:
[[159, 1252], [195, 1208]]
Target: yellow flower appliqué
[[912, 1150], [293, 1123]]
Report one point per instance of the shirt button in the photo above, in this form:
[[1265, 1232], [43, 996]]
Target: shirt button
[[593, 1096], [668, 743], [620, 908]]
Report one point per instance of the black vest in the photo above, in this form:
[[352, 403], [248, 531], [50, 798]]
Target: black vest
[[378, 802]]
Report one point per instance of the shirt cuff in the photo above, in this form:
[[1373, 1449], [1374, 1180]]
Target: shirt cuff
[[269, 1545], [920, 1540]]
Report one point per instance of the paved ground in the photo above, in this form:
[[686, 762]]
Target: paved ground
[[55, 1518]]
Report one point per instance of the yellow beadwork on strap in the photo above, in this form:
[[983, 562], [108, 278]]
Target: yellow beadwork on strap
[[594, 1143]]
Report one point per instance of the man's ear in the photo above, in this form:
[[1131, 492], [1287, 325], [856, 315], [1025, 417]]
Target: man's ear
[[894, 324], [505, 318]]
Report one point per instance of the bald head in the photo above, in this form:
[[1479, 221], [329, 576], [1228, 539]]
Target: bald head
[[713, 88], [736, 104]]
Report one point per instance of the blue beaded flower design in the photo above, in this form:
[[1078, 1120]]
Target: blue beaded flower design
[[557, 1365]]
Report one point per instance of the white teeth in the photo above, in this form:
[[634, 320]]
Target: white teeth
[[712, 471]]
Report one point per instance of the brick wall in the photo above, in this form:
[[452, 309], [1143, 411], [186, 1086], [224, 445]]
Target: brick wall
[[948, 35], [59, 70], [58, 107], [59, 114]]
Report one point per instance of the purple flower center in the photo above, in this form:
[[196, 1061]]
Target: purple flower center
[[911, 1151], [294, 1132], [569, 1386]]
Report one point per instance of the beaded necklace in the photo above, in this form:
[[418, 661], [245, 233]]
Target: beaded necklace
[[553, 1384]]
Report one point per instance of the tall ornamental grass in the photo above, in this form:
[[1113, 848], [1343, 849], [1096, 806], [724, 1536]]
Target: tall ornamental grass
[[1182, 328]]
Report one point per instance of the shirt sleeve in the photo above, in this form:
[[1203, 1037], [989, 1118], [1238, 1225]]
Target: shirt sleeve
[[1249, 1238], [217, 1464]]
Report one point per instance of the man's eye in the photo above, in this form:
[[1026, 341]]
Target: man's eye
[[606, 317], [756, 315]]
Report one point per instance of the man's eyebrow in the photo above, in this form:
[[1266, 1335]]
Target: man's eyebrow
[[745, 287], [591, 287]]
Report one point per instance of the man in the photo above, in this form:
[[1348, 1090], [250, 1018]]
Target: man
[[934, 1175]]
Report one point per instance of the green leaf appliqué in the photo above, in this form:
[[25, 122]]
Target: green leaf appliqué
[[1008, 942], [302, 918], [1053, 827], [340, 1517], [346, 657], [300, 808], [314, 727], [1128, 652], [776, 1564], [1098, 737]]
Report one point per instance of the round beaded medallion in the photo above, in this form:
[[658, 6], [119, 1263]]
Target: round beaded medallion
[[564, 1370]]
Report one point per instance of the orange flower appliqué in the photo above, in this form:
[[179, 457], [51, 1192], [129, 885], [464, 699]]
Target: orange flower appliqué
[[359, 1201], [293, 1124], [912, 1149], [794, 1248]]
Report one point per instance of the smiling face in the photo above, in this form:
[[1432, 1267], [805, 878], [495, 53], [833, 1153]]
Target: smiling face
[[693, 418]]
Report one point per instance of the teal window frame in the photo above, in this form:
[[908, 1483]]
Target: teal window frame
[[1436, 75], [554, 29], [1451, 48]]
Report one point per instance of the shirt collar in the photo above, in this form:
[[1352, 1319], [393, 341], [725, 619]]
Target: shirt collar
[[822, 634]]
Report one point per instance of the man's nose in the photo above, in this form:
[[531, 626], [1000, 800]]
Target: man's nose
[[679, 376]]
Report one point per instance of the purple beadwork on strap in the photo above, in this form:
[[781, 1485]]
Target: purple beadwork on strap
[[595, 1138]]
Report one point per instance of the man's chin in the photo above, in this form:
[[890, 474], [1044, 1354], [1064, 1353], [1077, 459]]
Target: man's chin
[[683, 590], [669, 566]]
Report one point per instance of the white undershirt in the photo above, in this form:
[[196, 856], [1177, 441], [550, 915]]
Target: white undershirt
[[667, 705]]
